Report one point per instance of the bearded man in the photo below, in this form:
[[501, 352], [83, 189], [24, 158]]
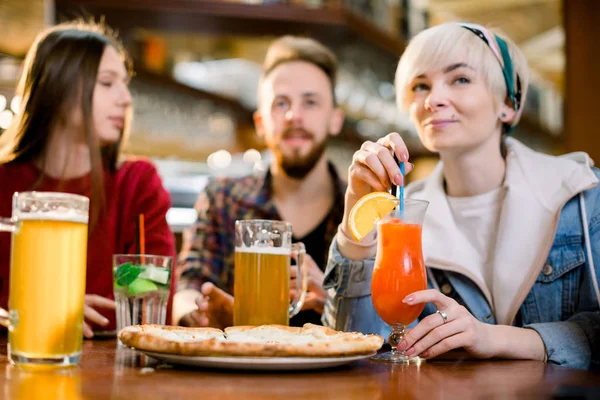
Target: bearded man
[[296, 115]]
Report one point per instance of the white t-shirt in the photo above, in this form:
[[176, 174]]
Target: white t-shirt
[[477, 217]]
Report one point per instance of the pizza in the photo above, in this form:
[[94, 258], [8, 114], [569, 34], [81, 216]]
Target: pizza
[[256, 341]]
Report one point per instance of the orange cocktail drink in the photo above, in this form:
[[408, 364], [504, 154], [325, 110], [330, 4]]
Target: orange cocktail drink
[[399, 271]]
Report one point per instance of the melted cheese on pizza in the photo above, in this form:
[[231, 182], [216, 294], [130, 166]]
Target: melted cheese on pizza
[[177, 335]]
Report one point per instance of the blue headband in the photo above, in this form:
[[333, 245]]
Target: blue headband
[[506, 64]]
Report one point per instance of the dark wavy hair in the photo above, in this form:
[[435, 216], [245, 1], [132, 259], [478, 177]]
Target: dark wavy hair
[[59, 75]]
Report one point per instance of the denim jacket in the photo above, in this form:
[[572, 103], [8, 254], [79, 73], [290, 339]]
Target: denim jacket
[[552, 292]]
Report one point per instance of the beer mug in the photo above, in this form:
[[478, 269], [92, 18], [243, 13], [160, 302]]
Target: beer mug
[[263, 251], [47, 278]]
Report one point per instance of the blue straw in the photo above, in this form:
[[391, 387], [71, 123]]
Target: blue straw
[[400, 193]]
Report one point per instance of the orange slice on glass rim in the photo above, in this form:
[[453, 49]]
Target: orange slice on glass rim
[[367, 211]]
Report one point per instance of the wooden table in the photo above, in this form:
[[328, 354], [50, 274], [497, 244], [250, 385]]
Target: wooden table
[[108, 372]]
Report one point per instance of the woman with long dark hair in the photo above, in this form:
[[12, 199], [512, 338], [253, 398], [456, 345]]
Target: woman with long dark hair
[[74, 118]]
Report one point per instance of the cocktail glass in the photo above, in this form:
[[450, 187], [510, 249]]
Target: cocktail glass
[[399, 271], [141, 285]]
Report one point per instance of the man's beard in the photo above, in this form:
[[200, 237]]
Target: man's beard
[[297, 166]]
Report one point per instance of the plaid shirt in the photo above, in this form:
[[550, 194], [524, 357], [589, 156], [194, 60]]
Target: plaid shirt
[[208, 250]]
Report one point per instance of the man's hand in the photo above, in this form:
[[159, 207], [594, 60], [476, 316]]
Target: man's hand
[[215, 309], [92, 301], [315, 294]]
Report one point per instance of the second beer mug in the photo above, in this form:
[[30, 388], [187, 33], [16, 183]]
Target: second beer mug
[[263, 253]]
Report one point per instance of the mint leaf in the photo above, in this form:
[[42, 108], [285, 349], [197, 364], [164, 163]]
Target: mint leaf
[[126, 273]]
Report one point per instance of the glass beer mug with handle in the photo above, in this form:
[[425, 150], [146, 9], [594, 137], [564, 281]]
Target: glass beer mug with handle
[[47, 278], [261, 291]]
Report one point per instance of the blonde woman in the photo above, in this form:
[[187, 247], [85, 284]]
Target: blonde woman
[[511, 235]]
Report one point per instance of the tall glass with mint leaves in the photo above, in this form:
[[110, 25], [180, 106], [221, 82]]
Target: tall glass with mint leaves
[[141, 286]]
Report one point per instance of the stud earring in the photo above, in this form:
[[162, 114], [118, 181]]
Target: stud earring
[[503, 115]]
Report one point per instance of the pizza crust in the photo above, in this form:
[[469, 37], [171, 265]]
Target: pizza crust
[[252, 341]]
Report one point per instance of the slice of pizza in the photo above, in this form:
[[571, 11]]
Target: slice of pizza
[[170, 339], [256, 341]]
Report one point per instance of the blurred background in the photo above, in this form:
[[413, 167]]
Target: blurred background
[[198, 62]]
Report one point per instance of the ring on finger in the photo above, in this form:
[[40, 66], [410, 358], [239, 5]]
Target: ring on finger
[[443, 314]]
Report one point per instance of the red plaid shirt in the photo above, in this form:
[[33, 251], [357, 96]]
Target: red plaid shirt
[[208, 250]]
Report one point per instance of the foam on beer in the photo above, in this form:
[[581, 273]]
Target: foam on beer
[[283, 251], [69, 216]]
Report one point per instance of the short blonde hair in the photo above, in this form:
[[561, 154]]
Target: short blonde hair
[[294, 48], [442, 44]]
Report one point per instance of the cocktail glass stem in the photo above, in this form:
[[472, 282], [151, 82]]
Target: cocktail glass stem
[[395, 338]]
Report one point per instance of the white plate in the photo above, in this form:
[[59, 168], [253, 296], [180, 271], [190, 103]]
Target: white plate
[[257, 363]]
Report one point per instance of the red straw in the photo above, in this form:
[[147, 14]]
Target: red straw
[[142, 234], [141, 237], [142, 250]]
